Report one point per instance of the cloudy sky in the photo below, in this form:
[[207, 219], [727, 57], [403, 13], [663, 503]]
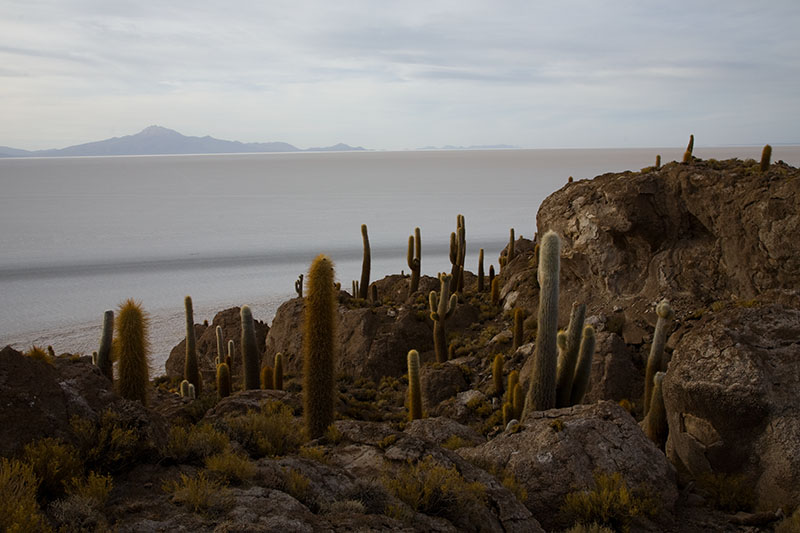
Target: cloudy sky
[[398, 75]]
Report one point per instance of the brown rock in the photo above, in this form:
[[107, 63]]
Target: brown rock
[[439, 430], [732, 404], [440, 381], [614, 376]]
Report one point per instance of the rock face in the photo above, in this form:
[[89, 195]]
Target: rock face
[[206, 344], [731, 394], [551, 460]]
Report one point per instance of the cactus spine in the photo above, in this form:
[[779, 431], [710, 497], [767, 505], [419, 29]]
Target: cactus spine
[[567, 364], [104, 361], [687, 155], [584, 368], [655, 361], [442, 306], [497, 375], [365, 264], [191, 372], [414, 389], [542, 390], [298, 286], [223, 380], [250, 358], [267, 379], [480, 271], [414, 260], [278, 371], [766, 155], [131, 348], [319, 332], [655, 423], [519, 328]]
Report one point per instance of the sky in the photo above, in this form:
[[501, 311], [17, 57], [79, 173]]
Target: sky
[[402, 75]]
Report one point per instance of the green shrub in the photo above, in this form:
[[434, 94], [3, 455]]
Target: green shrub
[[195, 443], [273, 431], [19, 512], [611, 503], [54, 463], [110, 444], [199, 493], [727, 492], [433, 489], [231, 467]]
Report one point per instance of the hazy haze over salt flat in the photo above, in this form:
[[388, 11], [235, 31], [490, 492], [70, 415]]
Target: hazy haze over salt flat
[[402, 75]]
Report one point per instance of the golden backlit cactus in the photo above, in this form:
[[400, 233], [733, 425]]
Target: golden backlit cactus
[[132, 349]]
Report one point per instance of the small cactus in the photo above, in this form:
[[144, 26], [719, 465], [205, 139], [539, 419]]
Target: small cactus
[[267, 379], [655, 361], [583, 370], [508, 413], [655, 423], [298, 286], [192, 392], [511, 254], [542, 390], [319, 332], [442, 306], [497, 375], [513, 379], [191, 371], [365, 264], [480, 271], [229, 355], [184, 388], [278, 377], [104, 361], [373, 295], [223, 380], [94, 358], [519, 328], [414, 260], [658, 162], [566, 367], [687, 155], [766, 155], [491, 276], [132, 348], [250, 356], [414, 389]]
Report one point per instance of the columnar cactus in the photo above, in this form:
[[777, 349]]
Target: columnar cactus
[[542, 390], [458, 250], [319, 332], [250, 356], [508, 413], [584, 368], [497, 375], [517, 401], [442, 306], [278, 371], [513, 379], [766, 155], [365, 265], [355, 290], [658, 162], [229, 356], [104, 361], [191, 371], [414, 389], [223, 380], [511, 254], [131, 347], [298, 286], [480, 271], [414, 260], [566, 366], [220, 345], [655, 423], [267, 379], [655, 361], [491, 276], [184, 388], [519, 328], [495, 294], [687, 155], [192, 392]]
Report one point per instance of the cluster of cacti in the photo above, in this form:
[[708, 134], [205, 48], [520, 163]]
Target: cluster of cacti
[[355, 290], [583, 370], [104, 360], [458, 251], [298, 286], [442, 306], [512, 407], [250, 355], [365, 264], [414, 259], [519, 329], [191, 370], [187, 390], [497, 375], [766, 156], [687, 155], [131, 348], [414, 389], [656, 361], [568, 358], [319, 332], [480, 271]]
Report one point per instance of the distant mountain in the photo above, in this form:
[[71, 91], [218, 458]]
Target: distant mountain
[[156, 140], [474, 147]]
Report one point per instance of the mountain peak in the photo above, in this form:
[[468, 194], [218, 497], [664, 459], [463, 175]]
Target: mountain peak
[[156, 130]]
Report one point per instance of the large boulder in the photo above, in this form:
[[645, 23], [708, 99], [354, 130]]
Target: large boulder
[[731, 394], [556, 452]]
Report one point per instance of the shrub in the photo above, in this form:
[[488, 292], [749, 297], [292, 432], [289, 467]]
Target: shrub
[[199, 493], [611, 503], [297, 484], [231, 467], [315, 453], [195, 443], [54, 463], [19, 512], [371, 493], [594, 527], [76, 514], [517, 489], [94, 488], [727, 492], [433, 489], [455, 442], [40, 355], [273, 431], [345, 507], [109, 445]]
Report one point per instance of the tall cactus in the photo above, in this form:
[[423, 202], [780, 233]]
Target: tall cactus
[[766, 155], [687, 155], [191, 371], [497, 375], [566, 367], [278, 377], [319, 331], [132, 348], [104, 361], [414, 260], [511, 253], [229, 355], [223, 380], [542, 390], [414, 389], [480, 271], [583, 370], [655, 361], [513, 379], [655, 423], [491, 276], [249, 348], [458, 250], [220, 344], [365, 265], [442, 306]]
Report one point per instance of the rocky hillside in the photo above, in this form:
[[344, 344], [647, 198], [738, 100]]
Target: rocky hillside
[[715, 238]]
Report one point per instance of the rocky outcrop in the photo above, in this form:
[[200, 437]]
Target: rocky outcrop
[[556, 452], [732, 402]]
